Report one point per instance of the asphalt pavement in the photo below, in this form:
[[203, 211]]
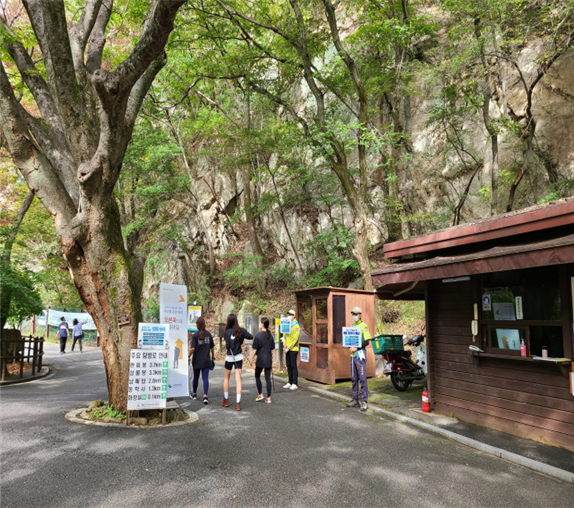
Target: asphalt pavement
[[303, 450]]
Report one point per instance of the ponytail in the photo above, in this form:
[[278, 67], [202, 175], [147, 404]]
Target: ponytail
[[201, 327]]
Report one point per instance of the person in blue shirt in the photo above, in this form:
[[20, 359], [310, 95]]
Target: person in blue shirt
[[359, 363], [63, 334]]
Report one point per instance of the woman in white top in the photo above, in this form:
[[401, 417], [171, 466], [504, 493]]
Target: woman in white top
[[78, 334]]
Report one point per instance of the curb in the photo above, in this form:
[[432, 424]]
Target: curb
[[534, 465], [43, 373], [72, 416]]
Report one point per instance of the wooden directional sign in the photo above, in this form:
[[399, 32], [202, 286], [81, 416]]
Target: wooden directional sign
[[123, 320]]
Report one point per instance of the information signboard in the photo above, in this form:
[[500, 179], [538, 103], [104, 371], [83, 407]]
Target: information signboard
[[193, 314], [285, 325], [173, 311], [153, 336], [352, 336], [304, 354], [147, 388]]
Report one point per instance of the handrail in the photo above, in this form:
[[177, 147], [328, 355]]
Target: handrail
[[28, 350]]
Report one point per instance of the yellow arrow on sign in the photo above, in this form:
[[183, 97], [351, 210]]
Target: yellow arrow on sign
[[178, 344], [181, 298]]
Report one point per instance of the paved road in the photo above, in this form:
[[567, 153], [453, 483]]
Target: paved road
[[301, 451]]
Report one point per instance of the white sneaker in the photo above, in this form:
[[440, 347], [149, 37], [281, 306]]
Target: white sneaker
[[293, 387], [288, 385]]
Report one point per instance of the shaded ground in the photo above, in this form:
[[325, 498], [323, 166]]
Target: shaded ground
[[304, 450], [408, 403]]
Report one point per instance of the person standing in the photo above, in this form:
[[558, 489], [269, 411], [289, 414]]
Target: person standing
[[359, 363], [63, 334], [291, 346], [78, 334], [263, 344], [201, 345], [234, 337]]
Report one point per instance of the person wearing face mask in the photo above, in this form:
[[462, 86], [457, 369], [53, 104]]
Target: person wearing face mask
[[291, 346], [359, 363]]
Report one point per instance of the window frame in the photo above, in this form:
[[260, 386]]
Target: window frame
[[565, 272]]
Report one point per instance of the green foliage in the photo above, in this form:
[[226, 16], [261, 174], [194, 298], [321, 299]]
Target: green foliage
[[245, 272], [562, 189], [105, 411], [21, 286], [408, 319], [333, 246], [150, 310], [282, 277]]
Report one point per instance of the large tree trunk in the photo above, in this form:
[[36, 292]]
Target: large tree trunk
[[109, 281], [72, 154]]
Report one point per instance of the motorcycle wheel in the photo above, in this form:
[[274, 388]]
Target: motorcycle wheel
[[401, 384]]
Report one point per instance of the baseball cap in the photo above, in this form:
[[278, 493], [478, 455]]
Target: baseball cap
[[356, 310]]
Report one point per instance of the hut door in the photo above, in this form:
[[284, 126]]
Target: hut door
[[338, 318]]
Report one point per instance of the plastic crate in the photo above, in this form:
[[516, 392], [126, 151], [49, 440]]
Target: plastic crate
[[385, 343]]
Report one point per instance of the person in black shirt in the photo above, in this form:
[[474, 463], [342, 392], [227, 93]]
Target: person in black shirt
[[263, 344], [201, 344], [234, 337]]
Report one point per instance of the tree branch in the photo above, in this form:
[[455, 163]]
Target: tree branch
[[156, 30], [79, 34], [29, 159], [50, 26], [97, 39], [34, 81]]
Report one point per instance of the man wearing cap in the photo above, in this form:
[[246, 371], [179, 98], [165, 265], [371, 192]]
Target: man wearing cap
[[359, 362], [291, 346]]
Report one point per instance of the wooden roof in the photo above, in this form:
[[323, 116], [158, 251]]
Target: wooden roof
[[527, 220]]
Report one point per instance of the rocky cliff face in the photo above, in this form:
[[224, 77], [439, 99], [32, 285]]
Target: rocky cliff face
[[431, 186]]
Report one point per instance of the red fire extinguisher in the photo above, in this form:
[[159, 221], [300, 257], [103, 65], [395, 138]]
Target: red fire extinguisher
[[426, 403]]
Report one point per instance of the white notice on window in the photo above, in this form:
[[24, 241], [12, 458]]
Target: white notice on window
[[518, 302], [504, 311]]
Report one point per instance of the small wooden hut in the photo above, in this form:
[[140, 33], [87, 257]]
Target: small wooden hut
[[321, 313], [504, 285]]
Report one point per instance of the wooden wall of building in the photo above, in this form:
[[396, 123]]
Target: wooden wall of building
[[521, 397]]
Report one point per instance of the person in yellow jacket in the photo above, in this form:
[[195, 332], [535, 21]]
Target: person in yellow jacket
[[291, 346], [359, 363]]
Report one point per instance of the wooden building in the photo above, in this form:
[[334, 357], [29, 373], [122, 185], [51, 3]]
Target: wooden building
[[321, 313], [514, 276]]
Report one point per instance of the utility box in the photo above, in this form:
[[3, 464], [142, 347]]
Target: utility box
[[252, 324], [322, 313]]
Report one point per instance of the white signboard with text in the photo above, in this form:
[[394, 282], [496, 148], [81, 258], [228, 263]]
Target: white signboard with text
[[153, 336], [304, 354], [147, 388], [173, 312], [193, 314], [352, 336], [285, 325], [55, 315]]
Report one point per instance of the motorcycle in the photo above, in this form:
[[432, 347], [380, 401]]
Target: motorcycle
[[401, 367]]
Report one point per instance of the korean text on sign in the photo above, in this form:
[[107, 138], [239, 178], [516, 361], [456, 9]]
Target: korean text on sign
[[147, 384], [352, 337]]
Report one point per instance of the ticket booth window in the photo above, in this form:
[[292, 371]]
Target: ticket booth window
[[339, 318], [322, 358], [322, 333], [305, 318], [321, 321], [523, 305]]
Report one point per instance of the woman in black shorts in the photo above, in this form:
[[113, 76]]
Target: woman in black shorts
[[234, 337], [201, 348], [263, 344]]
